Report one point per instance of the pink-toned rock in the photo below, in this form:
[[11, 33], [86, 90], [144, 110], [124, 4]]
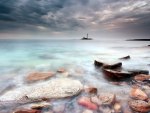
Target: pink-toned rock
[[27, 111], [137, 93], [61, 70], [85, 101], [36, 76], [107, 98], [140, 106]]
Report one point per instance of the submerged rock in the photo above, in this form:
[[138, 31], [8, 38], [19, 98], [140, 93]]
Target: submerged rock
[[125, 58], [55, 88], [137, 93], [117, 107], [86, 102], [36, 76], [41, 106], [87, 111], [90, 90], [140, 106]]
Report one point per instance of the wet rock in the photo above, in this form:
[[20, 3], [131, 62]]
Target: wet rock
[[41, 106], [136, 72], [91, 90], [55, 88], [96, 100], [27, 111], [137, 93], [125, 58], [107, 66], [36, 76], [86, 102], [61, 70], [116, 74], [112, 66], [117, 108], [119, 83], [107, 98], [140, 106], [142, 77], [87, 111], [98, 63]]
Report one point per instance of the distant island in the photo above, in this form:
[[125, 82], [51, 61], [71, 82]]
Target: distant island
[[138, 40], [86, 38]]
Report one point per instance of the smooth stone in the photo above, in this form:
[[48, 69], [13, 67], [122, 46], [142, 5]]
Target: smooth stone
[[54, 88], [107, 98], [36, 76], [137, 93], [139, 106], [86, 102]]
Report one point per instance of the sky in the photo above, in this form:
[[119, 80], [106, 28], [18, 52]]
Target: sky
[[56, 18]]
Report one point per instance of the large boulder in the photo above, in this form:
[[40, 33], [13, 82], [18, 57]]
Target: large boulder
[[55, 88]]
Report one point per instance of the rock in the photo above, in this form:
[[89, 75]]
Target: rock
[[117, 108], [98, 63], [112, 74], [142, 77], [107, 66], [87, 111], [55, 88], [61, 70], [95, 100], [85, 101], [36, 76], [27, 111], [137, 93], [136, 72], [112, 66], [41, 106], [107, 98], [106, 110], [139, 106], [149, 45], [125, 58], [91, 90]]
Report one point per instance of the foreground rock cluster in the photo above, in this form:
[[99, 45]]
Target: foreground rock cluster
[[43, 89]]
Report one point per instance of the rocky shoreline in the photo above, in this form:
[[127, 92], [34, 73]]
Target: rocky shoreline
[[44, 89]]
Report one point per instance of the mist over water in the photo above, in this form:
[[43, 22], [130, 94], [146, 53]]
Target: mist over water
[[20, 57]]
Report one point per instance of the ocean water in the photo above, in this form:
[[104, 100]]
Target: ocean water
[[20, 57]]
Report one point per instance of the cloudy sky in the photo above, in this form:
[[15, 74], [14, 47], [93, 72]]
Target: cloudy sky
[[71, 17]]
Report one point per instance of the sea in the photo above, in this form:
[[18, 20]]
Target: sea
[[18, 58]]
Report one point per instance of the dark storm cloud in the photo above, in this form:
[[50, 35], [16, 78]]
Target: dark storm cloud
[[69, 15]]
